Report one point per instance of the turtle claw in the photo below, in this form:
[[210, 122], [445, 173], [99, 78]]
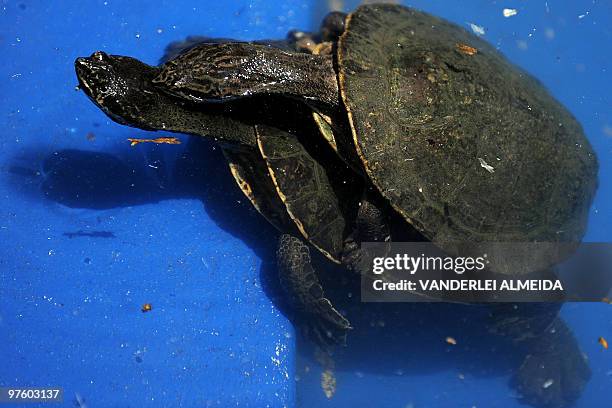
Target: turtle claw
[[325, 326], [324, 334], [332, 316]]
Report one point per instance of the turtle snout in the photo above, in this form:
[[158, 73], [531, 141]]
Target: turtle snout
[[93, 68], [95, 74], [98, 56], [81, 63], [96, 60], [83, 69]]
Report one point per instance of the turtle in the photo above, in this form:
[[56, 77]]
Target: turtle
[[395, 120]]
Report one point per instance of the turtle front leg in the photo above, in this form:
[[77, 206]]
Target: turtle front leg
[[299, 279], [216, 72]]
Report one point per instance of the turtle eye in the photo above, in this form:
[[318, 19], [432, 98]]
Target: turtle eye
[[98, 56]]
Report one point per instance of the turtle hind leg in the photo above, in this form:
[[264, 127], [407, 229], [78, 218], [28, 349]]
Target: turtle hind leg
[[324, 324], [555, 372]]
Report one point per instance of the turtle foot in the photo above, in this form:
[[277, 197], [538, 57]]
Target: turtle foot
[[555, 372]]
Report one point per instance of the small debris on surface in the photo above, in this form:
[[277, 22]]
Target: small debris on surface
[[466, 49], [479, 30], [138, 356], [548, 383], [486, 166], [90, 136], [603, 342], [90, 234], [79, 401], [147, 307], [328, 383], [451, 340], [159, 140], [510, 12], [461, 376]]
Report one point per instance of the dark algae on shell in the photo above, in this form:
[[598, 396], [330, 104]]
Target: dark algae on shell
[[391, 123]]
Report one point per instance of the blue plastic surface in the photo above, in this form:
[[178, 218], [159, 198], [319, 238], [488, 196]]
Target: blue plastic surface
[[92, 229]]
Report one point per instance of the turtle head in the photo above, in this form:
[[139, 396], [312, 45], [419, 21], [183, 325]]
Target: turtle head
[[120, 86], [123, 88], [332, 26]]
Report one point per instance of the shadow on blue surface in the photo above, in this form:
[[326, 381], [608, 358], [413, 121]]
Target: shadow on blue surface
[[101, 180]]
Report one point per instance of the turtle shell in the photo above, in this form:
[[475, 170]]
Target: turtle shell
[[251, 174], [318, 190], [465, 145]]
